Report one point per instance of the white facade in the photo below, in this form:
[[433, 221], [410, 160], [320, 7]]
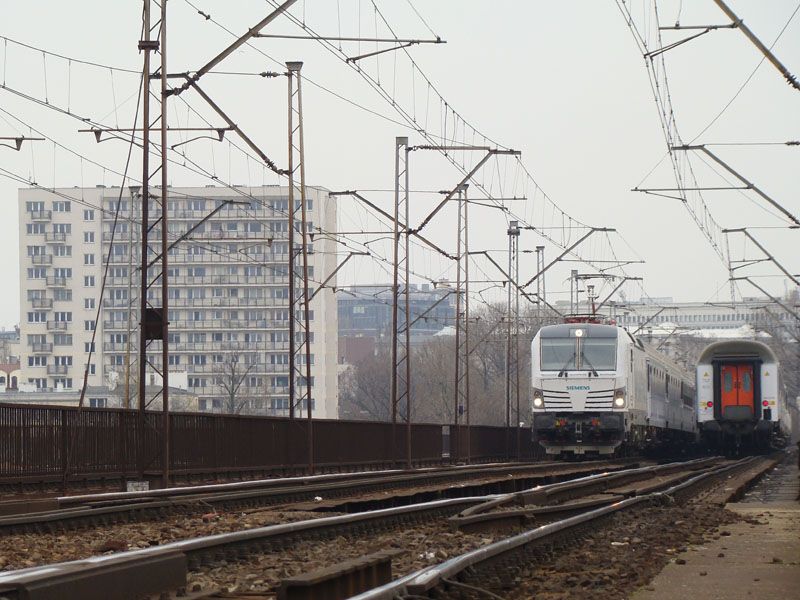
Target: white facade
[[228, 305], [756, 312]]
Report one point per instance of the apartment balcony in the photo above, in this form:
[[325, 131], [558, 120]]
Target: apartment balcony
[[115, 324], [42, 303], [41, 215], [53, 237], [53, 281], [57, 325], [115, 347], [123, 281], [119, 303], [220, 302], [119, 236], [42, 348], [57, 369], [42, 259]]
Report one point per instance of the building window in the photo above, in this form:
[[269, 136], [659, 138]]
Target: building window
[[62, 251], [98, 402], [34, 206], [62, 339], [89, 325], [88, 281], [37, 317], [62, 206], [88, 303], [88, 347], [35, 228], [39, 382], [37, 273], [63, 316], [88, 259], [88, 237]]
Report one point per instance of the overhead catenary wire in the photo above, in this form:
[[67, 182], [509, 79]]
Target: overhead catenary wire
[[455, 130]]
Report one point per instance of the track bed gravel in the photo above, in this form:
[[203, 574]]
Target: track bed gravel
[[29, 550], [624, 555], [423, 546]]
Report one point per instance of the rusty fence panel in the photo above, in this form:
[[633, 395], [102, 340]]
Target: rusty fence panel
[[49, 441]]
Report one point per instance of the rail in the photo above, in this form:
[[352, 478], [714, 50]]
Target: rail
[[74, 511], [158, 569], [418, 584]]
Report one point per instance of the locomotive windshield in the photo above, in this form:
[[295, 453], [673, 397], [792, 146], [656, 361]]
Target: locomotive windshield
[[569, 348]]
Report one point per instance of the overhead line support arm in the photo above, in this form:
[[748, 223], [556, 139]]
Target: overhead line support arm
[[791, 79], [385, 214], [653, 316], [614, 291], [336, 270], [748, 183], [768, 295], [238, 130], [466, 178], [765, 251], [252, 32], [567, 251]]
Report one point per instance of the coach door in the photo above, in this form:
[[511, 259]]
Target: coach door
[[736, 391]]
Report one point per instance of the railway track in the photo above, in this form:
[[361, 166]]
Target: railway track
[[157, 569], [77, 512], [492, 570]]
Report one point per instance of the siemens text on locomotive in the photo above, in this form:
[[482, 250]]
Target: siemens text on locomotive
[[596, 388]]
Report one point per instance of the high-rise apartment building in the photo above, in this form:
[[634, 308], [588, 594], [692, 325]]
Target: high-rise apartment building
[[228, 293]]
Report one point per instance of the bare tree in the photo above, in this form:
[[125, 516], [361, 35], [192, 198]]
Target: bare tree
[[364, 387], [231, 375]]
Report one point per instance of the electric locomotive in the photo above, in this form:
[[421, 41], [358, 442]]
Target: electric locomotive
[[597, 389]]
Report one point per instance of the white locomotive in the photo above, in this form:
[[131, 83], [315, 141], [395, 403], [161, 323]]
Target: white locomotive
[[597, 388]]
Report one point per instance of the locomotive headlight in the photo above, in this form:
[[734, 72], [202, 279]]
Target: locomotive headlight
[[619, 398], [538, 399]]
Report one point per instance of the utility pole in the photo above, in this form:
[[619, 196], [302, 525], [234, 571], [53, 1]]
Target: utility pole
[[541, 292], [298, 305], [135, 193], [515, 275], [462, 392], [513, 250], [154, 323], [401, 354], [573, 295], [165, 452]]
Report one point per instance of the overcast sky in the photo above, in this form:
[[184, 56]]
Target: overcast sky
[[563, 82]]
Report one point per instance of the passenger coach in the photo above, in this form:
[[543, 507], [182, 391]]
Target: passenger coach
[[738, 400]]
